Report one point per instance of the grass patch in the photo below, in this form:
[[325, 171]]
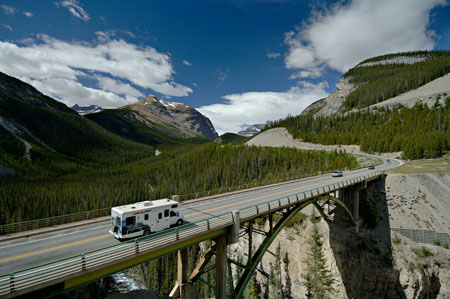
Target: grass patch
[[423, 252], [440, 166]]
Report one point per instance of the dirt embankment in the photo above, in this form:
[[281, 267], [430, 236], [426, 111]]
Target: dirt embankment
[[278, 137]]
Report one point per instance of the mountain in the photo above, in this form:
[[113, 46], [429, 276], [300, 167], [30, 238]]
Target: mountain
[[231, 138], [173, 119], [82, 110], [253, 130], [401, 78], [397, 103], [37, 130]]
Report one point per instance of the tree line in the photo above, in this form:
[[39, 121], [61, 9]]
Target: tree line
[[181, 171], [379, 82], [419, 131]]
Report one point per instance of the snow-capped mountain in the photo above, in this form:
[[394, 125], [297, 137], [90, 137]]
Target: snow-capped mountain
[[253, 130], [82, 110], [171, 118]]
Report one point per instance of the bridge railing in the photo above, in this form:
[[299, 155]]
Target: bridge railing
[[58, 271], [86, 215], [52, 221]]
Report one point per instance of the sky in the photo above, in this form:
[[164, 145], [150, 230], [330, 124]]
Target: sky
[[239, 62]]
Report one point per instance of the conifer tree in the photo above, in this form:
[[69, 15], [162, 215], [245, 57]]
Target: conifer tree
[[318, 279]]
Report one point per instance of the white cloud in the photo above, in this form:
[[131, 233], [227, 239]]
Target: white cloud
[[273, 55], [115, 86], [259, 107], [185, 62], [109, 34], [9, 10], [80, 94], [115, 65], [75, 9], [348, 32], [8, 27], [28, 14], [310, 73], [221, 75]]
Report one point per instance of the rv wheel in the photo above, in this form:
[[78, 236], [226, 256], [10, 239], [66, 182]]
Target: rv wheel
[[146, 232], [180, 222]]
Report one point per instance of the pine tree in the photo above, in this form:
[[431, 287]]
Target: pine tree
[[318, 279], [275, 283]]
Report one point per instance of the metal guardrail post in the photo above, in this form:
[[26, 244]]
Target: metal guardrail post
[[11, 283], [83, 263], [177, 235], [279, 203], [136, 246], [257, 210], [207, 224]]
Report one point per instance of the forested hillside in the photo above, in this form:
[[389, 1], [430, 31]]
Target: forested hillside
[[420, 131], [185, 170], [60, 139], [377, 81], [114, 121]]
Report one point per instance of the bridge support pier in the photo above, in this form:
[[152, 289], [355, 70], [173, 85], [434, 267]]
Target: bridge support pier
[[351, 197], [183, 289], [356, 208], [221, 267]]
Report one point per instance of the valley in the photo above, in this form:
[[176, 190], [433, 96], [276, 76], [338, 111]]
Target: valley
[[56, 162]]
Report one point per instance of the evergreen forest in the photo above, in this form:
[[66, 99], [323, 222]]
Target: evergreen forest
[[186, 171], [419, 131], [377, 82]]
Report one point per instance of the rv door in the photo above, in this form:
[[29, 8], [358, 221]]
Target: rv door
[[163, 219]]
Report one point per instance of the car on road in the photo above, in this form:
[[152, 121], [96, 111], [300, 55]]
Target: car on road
[[336, 173], [389, 161], [371, 167]]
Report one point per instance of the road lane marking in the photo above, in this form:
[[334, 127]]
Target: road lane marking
[[52, 237], [256, 198], [189, 215], [53, 248]]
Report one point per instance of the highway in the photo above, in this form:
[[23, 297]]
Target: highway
[[32, 251]]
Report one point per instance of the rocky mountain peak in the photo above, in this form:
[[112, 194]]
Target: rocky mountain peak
[[82, 110], [176, 119]]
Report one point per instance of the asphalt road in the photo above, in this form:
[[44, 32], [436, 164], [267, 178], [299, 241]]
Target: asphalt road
[[32, 251]]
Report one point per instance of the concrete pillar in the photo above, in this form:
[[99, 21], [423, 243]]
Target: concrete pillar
[[182, 271], [221, 267], [356, 209], [234, 233], [179, 290]]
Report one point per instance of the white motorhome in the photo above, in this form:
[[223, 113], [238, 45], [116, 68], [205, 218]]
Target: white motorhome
[[143, 218]]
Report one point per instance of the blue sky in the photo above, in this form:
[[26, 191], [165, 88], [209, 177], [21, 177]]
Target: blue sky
[[238, 62]]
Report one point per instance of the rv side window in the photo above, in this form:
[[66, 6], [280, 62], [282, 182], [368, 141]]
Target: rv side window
[[166, 213], [146, 217], [173, 214], [174, 206], [130, 221], [159, 215]]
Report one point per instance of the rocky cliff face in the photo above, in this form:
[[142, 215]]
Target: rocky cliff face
[[331, 104], [174, 119]]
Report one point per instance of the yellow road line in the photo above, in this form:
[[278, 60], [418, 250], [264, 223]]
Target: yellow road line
[[189, 215], [53, 248]]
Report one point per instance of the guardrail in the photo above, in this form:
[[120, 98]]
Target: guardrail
[[64, 219], [58, 271], [52, 221], [423, 236]]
